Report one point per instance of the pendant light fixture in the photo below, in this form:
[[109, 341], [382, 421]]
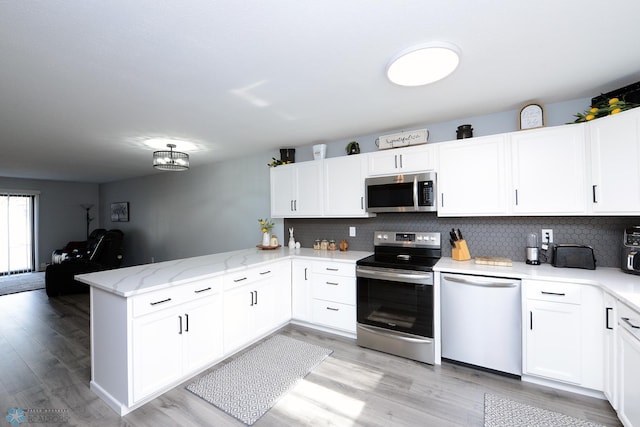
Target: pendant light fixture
[[170, 160], [423, 64]]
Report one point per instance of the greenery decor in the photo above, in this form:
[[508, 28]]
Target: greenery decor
[[265, 225], [353, 148], [604, 108], [275, 162]]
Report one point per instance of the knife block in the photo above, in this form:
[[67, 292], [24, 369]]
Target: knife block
[[461, 251]]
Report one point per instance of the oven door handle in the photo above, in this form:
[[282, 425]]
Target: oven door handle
[[395, 335], [395, 276], [484, 284]]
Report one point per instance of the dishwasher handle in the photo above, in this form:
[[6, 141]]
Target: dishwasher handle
[[463, 281]]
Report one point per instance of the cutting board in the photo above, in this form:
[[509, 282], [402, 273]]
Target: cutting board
[[490, 260]]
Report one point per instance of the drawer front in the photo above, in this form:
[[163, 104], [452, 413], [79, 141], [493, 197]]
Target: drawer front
[[249, 275], [335, 268], [156, 301], [334, 288], [568, 293], [334, 315], [170, 297]]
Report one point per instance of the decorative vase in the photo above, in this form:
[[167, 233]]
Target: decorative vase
[[266, 239]]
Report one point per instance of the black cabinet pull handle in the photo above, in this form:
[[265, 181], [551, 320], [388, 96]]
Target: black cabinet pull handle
[[265, 272], [186, 317], [160, 302], [552, 293], [333, 309], [332, 269], [202, 290], [332, 283], [516, 197], [531, 320], [180, 318], [595, 200], [239, 280], [305, 273], [256, 297], [606, 317]]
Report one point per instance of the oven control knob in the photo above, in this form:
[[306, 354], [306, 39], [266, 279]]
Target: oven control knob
[[385, 237]]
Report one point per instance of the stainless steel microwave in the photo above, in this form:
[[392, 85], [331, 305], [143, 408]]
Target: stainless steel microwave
[[401, 193]]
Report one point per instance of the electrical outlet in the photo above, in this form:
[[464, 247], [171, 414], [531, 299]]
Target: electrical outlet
[[352, 232], [547, 235]]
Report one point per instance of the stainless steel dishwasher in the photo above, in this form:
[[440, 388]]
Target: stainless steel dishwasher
[[481, 321]]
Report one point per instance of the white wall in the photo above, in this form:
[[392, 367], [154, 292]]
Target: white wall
[[207, 209], [60, 218]]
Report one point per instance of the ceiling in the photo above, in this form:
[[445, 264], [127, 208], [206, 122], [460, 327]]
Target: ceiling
[[84, 83]]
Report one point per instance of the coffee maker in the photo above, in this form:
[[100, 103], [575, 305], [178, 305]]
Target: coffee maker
[[631, 250]]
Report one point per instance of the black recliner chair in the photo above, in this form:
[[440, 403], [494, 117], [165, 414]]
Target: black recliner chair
[[103, 251]]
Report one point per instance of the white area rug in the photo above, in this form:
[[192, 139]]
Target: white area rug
[[502, 412], [247, 387]]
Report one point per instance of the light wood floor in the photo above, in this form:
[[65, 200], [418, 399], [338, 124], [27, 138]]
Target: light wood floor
[[45, 364]]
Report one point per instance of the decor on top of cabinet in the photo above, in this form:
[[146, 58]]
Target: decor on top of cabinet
[[464, 131], [352, 148], [604, 107], [403, 139], [531, 116]]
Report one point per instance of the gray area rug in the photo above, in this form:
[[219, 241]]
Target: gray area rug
[[247, 387], [502, 412], [21, 283]]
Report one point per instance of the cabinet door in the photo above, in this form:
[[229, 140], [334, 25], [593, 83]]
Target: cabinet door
[[472, 177], [553, 341], [401, 160], [237, 303], [344, 186], [283, 184], [615, 155], [610, 352], [308, 200], [537, 152], [262, 311], [157, 351], [202, 332], [629, 378], [301, 290]]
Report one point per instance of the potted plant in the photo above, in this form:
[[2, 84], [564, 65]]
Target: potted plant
[[353, 148]]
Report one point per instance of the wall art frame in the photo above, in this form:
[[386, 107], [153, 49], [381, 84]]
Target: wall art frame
[[120, 212]]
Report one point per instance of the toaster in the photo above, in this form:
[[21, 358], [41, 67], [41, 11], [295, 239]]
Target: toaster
[[573, 256]]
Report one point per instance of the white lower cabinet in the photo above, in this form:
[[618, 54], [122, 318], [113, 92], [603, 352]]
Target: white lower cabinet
[[256, 301], [610, 350], [301, 290], [628, 369], [563, 339], [174, 342], [168, 343], [334, 295]]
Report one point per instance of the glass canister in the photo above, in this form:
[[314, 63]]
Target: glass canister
[[332, 245], [316, 244], [324, 244]]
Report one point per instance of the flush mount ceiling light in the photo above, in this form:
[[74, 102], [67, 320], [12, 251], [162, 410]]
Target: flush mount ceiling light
[[170, 160], [423, 64]]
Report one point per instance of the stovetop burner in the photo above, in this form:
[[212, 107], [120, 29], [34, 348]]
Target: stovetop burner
[[406, 251]]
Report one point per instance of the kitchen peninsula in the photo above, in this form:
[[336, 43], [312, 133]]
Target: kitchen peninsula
[[156, 325]]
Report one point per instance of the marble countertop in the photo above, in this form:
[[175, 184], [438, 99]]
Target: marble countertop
[[625, 287], [129, 281]]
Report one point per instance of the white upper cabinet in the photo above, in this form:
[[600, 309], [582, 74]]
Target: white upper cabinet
[[344, 186], [402, 160], [296, 190], [615, 157], [549, 171], [472, 177]]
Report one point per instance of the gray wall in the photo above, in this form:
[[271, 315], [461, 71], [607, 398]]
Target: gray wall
[[60, 217], [207, 209]]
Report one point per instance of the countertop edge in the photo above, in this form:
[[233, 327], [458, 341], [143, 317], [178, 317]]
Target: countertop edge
[[622, 286]]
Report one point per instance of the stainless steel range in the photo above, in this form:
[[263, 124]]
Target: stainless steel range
[[395, 299]]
